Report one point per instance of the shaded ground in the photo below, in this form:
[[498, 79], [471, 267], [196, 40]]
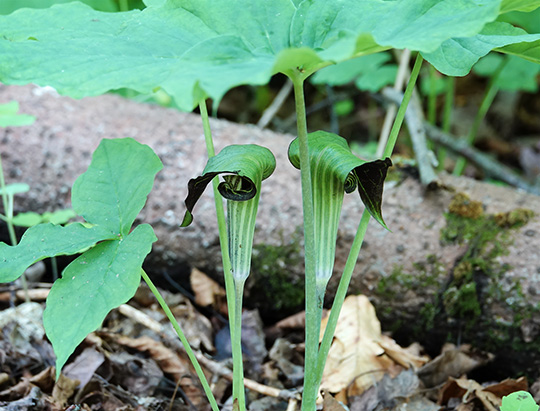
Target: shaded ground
[[416, 277]]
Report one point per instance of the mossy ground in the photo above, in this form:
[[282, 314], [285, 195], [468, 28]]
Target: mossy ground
[[462, 305]]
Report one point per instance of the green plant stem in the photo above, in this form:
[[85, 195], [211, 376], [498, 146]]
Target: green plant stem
[[447, 118], [403, 107], [238, 384], [491, 92], [54, 268], [313, 323], [341, 293], [432, 96], [345, 280], [123, 5], [183, 339], [236, 347]]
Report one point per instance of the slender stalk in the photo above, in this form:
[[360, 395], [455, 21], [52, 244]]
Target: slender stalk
[[491, 92], [447, 118], [236, 347], [343, 286], [432, 96], [241, 216], [54, 268], [341, 293], [313, 323], [183, 339], [403, 107], [225, 256], [123, 5]]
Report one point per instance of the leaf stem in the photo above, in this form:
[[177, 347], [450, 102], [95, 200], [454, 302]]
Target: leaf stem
[[432, 96], [183, 339], [313, 323], [341, 293], [343, 286], [236, 347], [238, 384], [491, 92]]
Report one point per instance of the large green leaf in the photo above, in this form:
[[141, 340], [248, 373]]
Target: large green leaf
[[528, 51], [528, 21], [92, 285], [516, 75], [114, 189], [250, 162], [9, 6], [212, 45], [47, 240], [368, 72], [519, 5], [455, 57], [349, 70]]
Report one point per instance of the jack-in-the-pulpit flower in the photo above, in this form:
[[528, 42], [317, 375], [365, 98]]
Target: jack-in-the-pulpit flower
[[335, 171], [245, 167]]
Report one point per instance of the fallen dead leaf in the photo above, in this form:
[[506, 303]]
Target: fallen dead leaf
[[196, 327], [63, 389], [330, 403], [508, 386], [167, 359], [45, 380], [470, 391], [169, 362], [207, 291], [453, 362], [82, 368], [358, 353]]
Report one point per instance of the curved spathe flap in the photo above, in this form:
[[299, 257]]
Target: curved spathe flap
[[245, 167], [332, 152]]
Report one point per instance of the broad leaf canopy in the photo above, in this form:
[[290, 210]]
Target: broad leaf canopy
[[185, 46]]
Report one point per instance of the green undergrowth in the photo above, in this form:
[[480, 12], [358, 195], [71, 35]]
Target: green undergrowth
[[462, 305]]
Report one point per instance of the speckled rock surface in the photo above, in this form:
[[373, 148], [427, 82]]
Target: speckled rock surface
[[51, 153]]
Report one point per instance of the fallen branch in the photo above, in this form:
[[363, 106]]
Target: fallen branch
[[273, 108], [481, 160], [459, 146], [415, 124]]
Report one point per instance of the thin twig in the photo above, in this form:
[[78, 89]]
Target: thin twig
[[481, 160], [402, 75], [213, 366], [273, 108], [414, 118]]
